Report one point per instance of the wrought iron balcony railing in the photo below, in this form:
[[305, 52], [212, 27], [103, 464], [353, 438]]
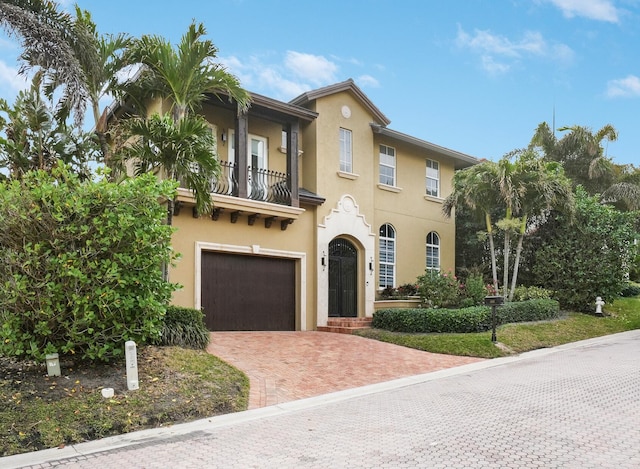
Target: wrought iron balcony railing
[[262, 184]]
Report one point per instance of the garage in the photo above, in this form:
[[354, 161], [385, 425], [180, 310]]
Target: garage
[[248, 293]]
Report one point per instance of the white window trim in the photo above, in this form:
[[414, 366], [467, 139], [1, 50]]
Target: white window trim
[[427, 178], [348, 151], [380, 163], [438, 246], [231, 155], [392, 264]]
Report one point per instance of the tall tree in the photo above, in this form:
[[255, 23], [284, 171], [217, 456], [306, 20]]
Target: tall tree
[[477, 189], [539, 188], [183, 78], [49, 39], [32, 137], [581, 153], [180, 151]]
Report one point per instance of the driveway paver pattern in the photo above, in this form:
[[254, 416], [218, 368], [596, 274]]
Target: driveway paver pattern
[[575, 406], [287, 366]]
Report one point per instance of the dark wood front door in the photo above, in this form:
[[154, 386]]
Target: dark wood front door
[[343, 279], [248, 293]]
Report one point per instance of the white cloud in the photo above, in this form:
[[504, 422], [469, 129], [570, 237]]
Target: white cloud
[[600, 10], [493, 67], [284, 87], [286, 77], [314, 68], [628, 87], [497, 53], [11, 81], [367, 81]]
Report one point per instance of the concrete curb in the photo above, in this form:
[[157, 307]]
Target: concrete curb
[[209, 424]]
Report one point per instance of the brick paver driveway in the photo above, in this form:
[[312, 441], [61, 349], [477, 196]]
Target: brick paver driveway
[[286, 366]]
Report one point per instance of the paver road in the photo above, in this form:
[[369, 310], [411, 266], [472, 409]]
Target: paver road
[[575, 406]]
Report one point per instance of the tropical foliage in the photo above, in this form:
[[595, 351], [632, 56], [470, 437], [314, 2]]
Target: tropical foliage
[[182, 78], [80, 264], [584, 257], [33, 138], [521, 189]]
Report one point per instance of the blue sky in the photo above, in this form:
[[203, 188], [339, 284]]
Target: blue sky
[[476, 76]]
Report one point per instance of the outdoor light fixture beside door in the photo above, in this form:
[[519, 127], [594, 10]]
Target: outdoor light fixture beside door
[[323, 260], [371, 266]]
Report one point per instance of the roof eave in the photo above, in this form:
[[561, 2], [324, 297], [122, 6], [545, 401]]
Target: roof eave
[[461, 160]]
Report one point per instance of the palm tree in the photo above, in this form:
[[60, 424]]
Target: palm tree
[[49, 40], [179, 151], [101, 66], [477, 188], [36, 139], [182, 78], [581, 153], [540, 187]]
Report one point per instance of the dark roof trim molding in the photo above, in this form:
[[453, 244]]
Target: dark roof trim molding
[[285, 108], [461, 160], [310, 198], [348, 85]]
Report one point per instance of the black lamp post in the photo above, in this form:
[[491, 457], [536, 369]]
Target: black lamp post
[[494, 302]]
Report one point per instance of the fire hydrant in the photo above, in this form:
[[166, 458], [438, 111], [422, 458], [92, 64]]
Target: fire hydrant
[[599, 305]]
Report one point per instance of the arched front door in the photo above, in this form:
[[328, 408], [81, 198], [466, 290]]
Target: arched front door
[[343, 279]]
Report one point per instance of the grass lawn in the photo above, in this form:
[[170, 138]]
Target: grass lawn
[[622, 315], [176, 385]]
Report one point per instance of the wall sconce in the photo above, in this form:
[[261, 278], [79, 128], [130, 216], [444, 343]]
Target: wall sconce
[[323, 260], [371, 266], [223, 137]]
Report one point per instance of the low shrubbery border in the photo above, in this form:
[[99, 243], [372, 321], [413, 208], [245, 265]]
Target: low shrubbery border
[[472, 319], [184, 327]]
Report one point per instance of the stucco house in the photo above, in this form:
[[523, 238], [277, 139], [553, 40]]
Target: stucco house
[[319, 205]]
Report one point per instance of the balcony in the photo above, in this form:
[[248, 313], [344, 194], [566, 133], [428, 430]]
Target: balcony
[[268, 196], [262, 184]]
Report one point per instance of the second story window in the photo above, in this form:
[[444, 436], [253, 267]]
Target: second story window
[[346, 155], [433, 178], [387, 165]]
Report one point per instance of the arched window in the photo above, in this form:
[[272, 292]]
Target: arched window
[[433, 251], [387, 256]]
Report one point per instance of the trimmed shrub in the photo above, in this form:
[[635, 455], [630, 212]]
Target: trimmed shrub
[[522, 293], [630, 290], [80, 264], [184, 327], [472, 319], [530, 310]]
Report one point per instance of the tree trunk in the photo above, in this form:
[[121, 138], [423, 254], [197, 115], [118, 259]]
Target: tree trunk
[[505, 274], [516, 264], [494, 269]]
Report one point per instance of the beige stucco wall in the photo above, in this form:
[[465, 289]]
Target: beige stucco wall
[[413, 214], [355, 207], [256, 239]]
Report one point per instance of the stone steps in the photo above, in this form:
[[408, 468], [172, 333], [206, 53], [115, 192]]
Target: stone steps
[[346, 325]]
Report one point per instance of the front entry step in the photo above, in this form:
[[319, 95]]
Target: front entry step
[[346, 325]]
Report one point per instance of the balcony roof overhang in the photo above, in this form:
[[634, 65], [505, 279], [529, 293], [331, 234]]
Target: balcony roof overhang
[[271, 109]]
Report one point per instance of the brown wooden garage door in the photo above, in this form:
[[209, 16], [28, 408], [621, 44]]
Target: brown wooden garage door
[[248, 293]]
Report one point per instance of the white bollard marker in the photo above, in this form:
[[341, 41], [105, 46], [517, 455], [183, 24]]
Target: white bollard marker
[[132, 365]]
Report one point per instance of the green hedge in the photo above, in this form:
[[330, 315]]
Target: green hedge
[[473, 319], [184, 327]]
